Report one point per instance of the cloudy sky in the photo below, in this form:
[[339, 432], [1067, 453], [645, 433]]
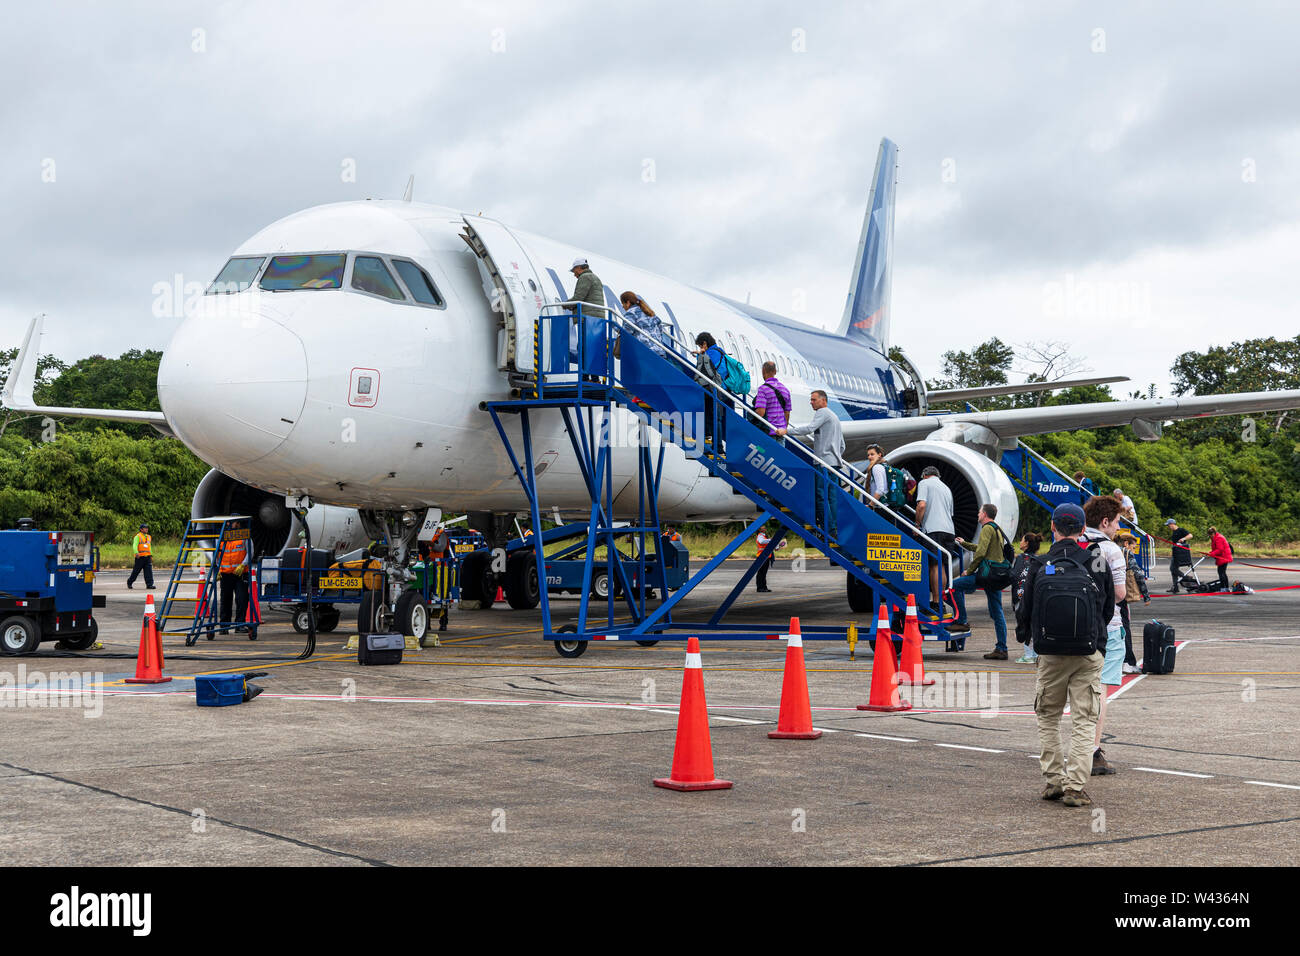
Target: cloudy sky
[[1121, 177]]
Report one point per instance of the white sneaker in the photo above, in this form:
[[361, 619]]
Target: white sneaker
[[1130, 669]]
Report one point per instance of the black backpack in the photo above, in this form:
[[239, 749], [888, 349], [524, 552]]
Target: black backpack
[[1068, 605]]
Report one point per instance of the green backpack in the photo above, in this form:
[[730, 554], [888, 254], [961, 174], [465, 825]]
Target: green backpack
[[895, 486], [736, 381]]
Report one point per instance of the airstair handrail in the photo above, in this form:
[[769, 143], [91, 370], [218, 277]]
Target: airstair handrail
[[844, 470]]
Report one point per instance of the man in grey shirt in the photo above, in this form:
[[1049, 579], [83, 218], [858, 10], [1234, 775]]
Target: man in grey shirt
[[934, 515], [828, 445]]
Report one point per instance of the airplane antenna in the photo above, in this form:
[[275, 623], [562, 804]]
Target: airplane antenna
[[410, 187], [746, 298]]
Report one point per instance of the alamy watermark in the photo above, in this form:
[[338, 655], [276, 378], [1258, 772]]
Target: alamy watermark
[[60, 689], [954, 690]]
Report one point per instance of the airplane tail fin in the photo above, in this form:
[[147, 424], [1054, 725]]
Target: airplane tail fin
[[866, 313]]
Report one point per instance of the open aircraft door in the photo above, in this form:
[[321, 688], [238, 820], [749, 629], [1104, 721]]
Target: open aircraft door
[[513, 285]]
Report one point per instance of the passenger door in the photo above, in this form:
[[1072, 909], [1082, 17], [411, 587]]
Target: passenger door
[[517, 287]]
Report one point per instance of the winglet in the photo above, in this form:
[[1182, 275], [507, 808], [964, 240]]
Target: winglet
[[410, 188], [17, 394], [866, 313], [21, 383]]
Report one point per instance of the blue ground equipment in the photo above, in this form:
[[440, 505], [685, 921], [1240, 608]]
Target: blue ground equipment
[[47, 590]]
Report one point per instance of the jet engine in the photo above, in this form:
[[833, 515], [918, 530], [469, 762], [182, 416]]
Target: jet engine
[[275, 527], [971, 477]]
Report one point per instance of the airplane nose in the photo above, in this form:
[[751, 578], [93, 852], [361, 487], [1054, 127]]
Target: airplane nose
[[232, 386]]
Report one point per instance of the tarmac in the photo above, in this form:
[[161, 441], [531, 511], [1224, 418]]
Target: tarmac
[[491, 749]]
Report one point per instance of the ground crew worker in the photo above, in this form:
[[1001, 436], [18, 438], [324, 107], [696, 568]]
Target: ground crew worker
[[763, 540], [142, 544], [234, 583]]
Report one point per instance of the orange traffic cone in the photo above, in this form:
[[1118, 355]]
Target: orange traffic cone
[[149, 661], [693, 754], [794, 721], [884, 679], [911, 670], [501, 595]]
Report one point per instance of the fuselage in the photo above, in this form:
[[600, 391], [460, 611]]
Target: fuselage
[[361, 400]]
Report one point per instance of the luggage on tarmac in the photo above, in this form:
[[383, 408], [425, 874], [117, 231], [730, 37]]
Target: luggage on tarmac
[[1158, 651], [380, 648]]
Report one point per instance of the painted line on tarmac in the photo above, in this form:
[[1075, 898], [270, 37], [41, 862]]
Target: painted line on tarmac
[[1265, 783], [901, 740], [1130, 679], [983, 750], [1176, 773]]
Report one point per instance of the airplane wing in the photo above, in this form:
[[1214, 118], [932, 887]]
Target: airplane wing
[[940, 396], [17, 394], [1144, 415]]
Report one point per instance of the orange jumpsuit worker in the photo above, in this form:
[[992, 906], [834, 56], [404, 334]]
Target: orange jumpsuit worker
[[234, 583]]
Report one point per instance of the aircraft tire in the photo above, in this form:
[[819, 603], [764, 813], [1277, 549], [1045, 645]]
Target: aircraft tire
[[412, 615]]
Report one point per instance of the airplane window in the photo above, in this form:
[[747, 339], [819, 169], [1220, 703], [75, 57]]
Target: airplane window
[[371, 275], [236, 275], [418, 281], [286, 273]]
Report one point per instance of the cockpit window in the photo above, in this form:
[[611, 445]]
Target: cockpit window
[[304, 272], [418, 281], [237, 275], [371, 275]]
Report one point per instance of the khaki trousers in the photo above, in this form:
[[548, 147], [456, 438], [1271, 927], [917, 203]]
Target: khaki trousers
[[1079, 678]]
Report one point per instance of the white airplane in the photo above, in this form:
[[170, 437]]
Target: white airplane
[[342, 353]]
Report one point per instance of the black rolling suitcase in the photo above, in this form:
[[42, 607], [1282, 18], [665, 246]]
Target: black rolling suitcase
[[380, 648], [1158, 651]]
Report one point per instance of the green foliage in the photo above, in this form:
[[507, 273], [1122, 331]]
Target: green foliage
[[985, 364], [1247, 489], [1255, 365], [101, 481]]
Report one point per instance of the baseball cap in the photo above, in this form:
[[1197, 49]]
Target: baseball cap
[[1068, 519], [1169, 522], [577, 262]]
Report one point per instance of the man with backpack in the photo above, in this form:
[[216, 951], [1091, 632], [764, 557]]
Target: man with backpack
[[1067, 598], [772, 400], [990, 572], [717, 366]]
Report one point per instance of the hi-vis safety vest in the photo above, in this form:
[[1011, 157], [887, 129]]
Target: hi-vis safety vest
[[143, 545], [232, 556]]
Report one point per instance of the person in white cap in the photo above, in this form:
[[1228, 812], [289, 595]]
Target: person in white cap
[[589, 289]]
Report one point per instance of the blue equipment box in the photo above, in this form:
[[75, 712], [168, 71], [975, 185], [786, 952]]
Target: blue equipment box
[[219, 690]]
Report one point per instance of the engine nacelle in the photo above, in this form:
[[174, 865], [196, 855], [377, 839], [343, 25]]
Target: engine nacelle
[[971, 477], [275, 527]]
